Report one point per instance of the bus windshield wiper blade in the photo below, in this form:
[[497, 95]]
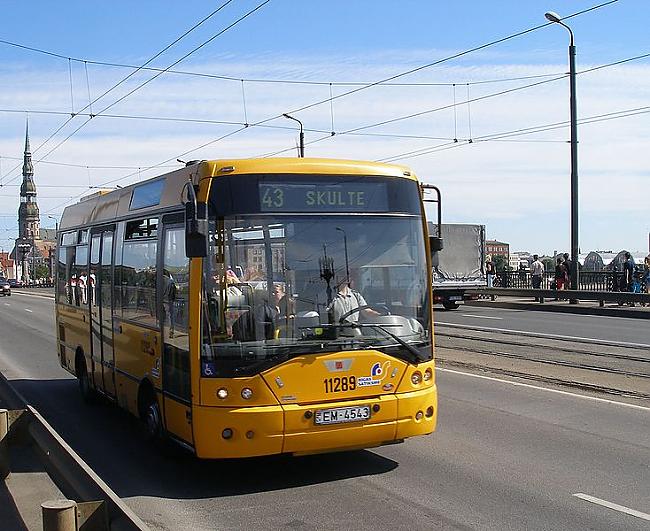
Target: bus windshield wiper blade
[[414, 354]]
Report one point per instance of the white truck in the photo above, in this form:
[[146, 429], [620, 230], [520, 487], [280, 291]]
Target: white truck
[[459, 265]]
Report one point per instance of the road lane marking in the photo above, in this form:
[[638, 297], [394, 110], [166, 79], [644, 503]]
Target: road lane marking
[[542, 335], [7, 304], [28, 310], [614, 506], [481, 316], [548, 389]]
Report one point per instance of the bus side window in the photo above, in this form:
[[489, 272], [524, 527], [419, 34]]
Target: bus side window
[[138, 271], [175, 307]]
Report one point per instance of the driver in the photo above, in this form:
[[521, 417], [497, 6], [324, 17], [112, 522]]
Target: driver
[[347, 299]]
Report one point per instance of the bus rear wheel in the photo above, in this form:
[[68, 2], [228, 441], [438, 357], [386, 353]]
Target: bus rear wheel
[[150, 416]]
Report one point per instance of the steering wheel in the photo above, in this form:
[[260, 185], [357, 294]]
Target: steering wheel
[[381, 309]]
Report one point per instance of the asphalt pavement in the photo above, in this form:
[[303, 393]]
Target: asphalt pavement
[[505, 455], [532, 319]]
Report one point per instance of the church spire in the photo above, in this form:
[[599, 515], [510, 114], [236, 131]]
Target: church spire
[[28, 167]]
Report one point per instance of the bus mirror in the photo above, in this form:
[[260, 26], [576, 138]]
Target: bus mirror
[[196, 229], [435, 243]]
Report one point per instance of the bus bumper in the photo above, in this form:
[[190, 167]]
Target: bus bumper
[[290, 428]]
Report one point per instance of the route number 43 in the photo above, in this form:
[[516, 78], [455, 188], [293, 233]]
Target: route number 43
[[273, 198]]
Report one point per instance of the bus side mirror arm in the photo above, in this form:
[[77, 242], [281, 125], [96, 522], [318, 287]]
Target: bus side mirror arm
[[435, 242], [196, 225]]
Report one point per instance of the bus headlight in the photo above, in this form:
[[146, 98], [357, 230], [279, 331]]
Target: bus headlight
[[428, 374], [246, 393], [416, 378], [222, 393]]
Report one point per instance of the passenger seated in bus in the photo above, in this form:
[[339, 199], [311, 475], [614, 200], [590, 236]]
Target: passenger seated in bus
[[262, 323]]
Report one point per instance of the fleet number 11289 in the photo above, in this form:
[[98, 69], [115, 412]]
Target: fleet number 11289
[[338, 385]]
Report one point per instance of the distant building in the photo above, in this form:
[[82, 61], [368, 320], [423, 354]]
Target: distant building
[[497, 248], [6, 266], [520, 257]]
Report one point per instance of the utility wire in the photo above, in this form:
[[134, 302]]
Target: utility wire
[[221, 32], [266, 80], [428, 65], [72, 115], [391, 78], [523, 131]]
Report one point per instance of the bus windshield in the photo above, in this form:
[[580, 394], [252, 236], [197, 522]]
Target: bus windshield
[[279, 285]]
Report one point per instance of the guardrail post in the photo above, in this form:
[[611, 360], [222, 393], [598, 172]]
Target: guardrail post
[[4, 449], [59, 515]]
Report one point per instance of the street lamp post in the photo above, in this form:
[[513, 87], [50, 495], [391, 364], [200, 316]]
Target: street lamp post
[[347, 263], [56, 223], [302, 134], [575, 247]]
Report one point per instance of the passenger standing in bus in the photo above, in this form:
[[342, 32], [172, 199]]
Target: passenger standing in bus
[[169, 292]]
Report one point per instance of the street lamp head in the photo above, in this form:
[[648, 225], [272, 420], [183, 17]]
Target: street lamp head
[[287, 116], [552, 16]]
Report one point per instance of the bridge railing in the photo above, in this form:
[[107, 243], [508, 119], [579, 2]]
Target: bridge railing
[[621, 297], [588, 280]]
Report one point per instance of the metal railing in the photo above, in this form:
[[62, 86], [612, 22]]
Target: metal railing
[[621, 297], [589, 280], [96, 506]]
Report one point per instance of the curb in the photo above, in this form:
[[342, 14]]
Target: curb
[[33, 294], [568, 308]]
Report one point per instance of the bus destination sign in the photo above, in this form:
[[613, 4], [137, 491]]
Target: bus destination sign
[[323, 197]]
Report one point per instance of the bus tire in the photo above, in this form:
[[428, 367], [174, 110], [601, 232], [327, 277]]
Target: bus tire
[[150, 414], [450, 305], [86, 390]]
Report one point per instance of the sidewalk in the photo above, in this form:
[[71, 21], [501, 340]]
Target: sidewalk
[[583, 307]]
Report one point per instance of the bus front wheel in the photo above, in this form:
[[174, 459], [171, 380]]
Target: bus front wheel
[[450, 305]]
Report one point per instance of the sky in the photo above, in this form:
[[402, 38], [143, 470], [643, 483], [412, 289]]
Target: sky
[[506, 104]]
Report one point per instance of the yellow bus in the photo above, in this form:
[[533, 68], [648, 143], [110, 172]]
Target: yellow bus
[[254, 307]]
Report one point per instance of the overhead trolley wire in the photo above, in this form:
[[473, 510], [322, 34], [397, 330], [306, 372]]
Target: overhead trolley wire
[[422, 67], [386, 80], [72, 115], [523, 131]]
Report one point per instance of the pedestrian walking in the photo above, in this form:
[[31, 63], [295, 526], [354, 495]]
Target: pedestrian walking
[[568, 265], [561, 275], [490, 273], [628, 274], [646, 274], [536, 273]]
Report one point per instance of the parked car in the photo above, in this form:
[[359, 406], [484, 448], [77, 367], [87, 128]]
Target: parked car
[[5, 288], [14, 283]]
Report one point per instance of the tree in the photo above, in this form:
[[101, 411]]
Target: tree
[[41, 271], [500, 262]]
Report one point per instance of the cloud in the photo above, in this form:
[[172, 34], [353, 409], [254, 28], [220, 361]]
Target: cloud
[[486, 182]]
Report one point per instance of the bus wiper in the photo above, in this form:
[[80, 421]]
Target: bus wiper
[[414, 357]]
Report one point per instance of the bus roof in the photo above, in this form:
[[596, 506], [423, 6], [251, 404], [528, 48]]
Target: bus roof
[[107, 206]]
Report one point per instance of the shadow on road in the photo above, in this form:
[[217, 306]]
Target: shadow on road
[[109, 440]]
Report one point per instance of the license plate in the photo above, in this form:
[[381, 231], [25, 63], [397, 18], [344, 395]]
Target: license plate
[[342, 414], [455, 298]]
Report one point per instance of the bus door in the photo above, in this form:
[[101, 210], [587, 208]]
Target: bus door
[[100, 290], [173, 297]]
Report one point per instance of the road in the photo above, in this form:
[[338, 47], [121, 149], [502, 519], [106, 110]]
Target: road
[[505, 456], [617, 329]]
